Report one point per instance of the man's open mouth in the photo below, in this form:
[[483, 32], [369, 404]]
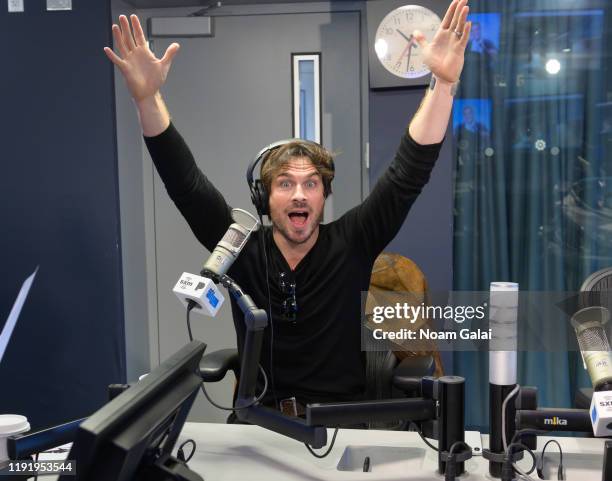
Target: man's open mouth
[[298, 218]]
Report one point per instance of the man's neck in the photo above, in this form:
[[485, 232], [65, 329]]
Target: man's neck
[[292, 252]]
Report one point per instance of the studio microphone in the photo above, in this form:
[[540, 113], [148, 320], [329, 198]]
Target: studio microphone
[[202, 290], [232, 243], [503, 311], [595, 350]]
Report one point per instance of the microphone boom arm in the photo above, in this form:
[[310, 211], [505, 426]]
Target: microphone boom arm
[[442, 401], [256, 320]]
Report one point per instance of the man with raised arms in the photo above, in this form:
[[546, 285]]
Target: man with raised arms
[[316, 272]]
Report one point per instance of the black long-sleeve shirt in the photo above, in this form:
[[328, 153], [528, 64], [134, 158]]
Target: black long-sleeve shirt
[[318, 357]]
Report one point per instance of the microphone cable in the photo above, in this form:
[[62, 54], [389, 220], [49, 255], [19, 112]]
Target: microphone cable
[[331, 445], [190, 306], [560, 469], [510, 466], [418, 430], [450, 471], [510, 395], [180, 455], [264, 247], [507, 448]]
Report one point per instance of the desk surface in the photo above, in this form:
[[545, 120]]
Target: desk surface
[[239, 452]]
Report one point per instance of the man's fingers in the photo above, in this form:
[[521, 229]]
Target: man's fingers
[[462, 19], [465, 36], [419, 37], [446, 22], [113, 57], [126, 33], [119, 41], [171, 51], [457, 14], [139, 35]]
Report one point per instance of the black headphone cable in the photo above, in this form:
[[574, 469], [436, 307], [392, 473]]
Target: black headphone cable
[[264, 247]]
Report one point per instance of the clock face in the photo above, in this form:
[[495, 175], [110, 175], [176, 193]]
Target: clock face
[[393, 43]]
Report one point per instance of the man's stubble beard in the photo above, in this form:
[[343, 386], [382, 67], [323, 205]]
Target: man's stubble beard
[[285, 234]]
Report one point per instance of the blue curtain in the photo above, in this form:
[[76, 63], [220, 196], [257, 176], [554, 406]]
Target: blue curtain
[[533, 178]]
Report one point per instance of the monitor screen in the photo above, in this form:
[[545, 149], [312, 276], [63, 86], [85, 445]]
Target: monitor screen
[[484, 37], [133, 434], [472, 123]]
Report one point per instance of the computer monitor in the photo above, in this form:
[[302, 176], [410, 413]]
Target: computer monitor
[[131, 437]]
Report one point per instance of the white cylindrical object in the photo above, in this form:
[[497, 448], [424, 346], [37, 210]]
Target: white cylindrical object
[[503, 309], [10, 425], [502, 367]]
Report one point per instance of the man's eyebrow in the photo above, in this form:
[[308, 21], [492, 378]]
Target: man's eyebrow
[[291, 176]]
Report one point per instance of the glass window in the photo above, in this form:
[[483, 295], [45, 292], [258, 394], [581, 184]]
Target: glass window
[[306, 96], [532, 126]]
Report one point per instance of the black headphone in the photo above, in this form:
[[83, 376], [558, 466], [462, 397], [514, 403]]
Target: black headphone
[[259, 194]]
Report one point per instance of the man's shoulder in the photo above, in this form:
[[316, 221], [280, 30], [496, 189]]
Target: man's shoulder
[[349, 218]]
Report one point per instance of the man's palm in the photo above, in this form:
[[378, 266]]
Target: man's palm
[[444, 58], [444, 55], [144, 73]]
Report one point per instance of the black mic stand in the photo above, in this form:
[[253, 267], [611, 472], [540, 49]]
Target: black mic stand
[[441, 404], [525, 398], [256, 320]]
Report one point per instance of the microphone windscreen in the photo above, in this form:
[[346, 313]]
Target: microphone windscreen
[[589, 326], [234, 237], [594, 345]]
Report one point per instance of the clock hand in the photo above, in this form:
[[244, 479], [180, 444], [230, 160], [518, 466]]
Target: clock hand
[[407, 49], [409, 54], [408, 39]]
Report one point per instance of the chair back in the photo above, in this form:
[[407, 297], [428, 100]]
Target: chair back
[[395, 278], [600, 281]]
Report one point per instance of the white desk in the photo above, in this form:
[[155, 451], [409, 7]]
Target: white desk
[[240, 452]]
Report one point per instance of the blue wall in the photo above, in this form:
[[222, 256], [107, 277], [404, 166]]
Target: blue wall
[[59, 209], [427, 234]]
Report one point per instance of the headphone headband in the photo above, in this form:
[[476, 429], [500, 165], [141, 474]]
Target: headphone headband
[[262, 153]]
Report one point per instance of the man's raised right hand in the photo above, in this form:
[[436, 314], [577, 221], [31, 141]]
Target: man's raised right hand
[[144, 73]]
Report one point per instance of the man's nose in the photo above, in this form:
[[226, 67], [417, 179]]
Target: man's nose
[[298, 193]]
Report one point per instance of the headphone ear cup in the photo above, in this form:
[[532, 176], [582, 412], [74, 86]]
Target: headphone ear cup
[[255, 200], [328, 189], [263, 195], [260, 198]]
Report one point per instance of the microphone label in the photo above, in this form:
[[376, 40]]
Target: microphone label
[[210, 295], [202, 291], [601, 413]]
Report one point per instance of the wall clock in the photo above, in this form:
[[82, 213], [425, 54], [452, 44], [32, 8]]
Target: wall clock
[[395, 60]]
